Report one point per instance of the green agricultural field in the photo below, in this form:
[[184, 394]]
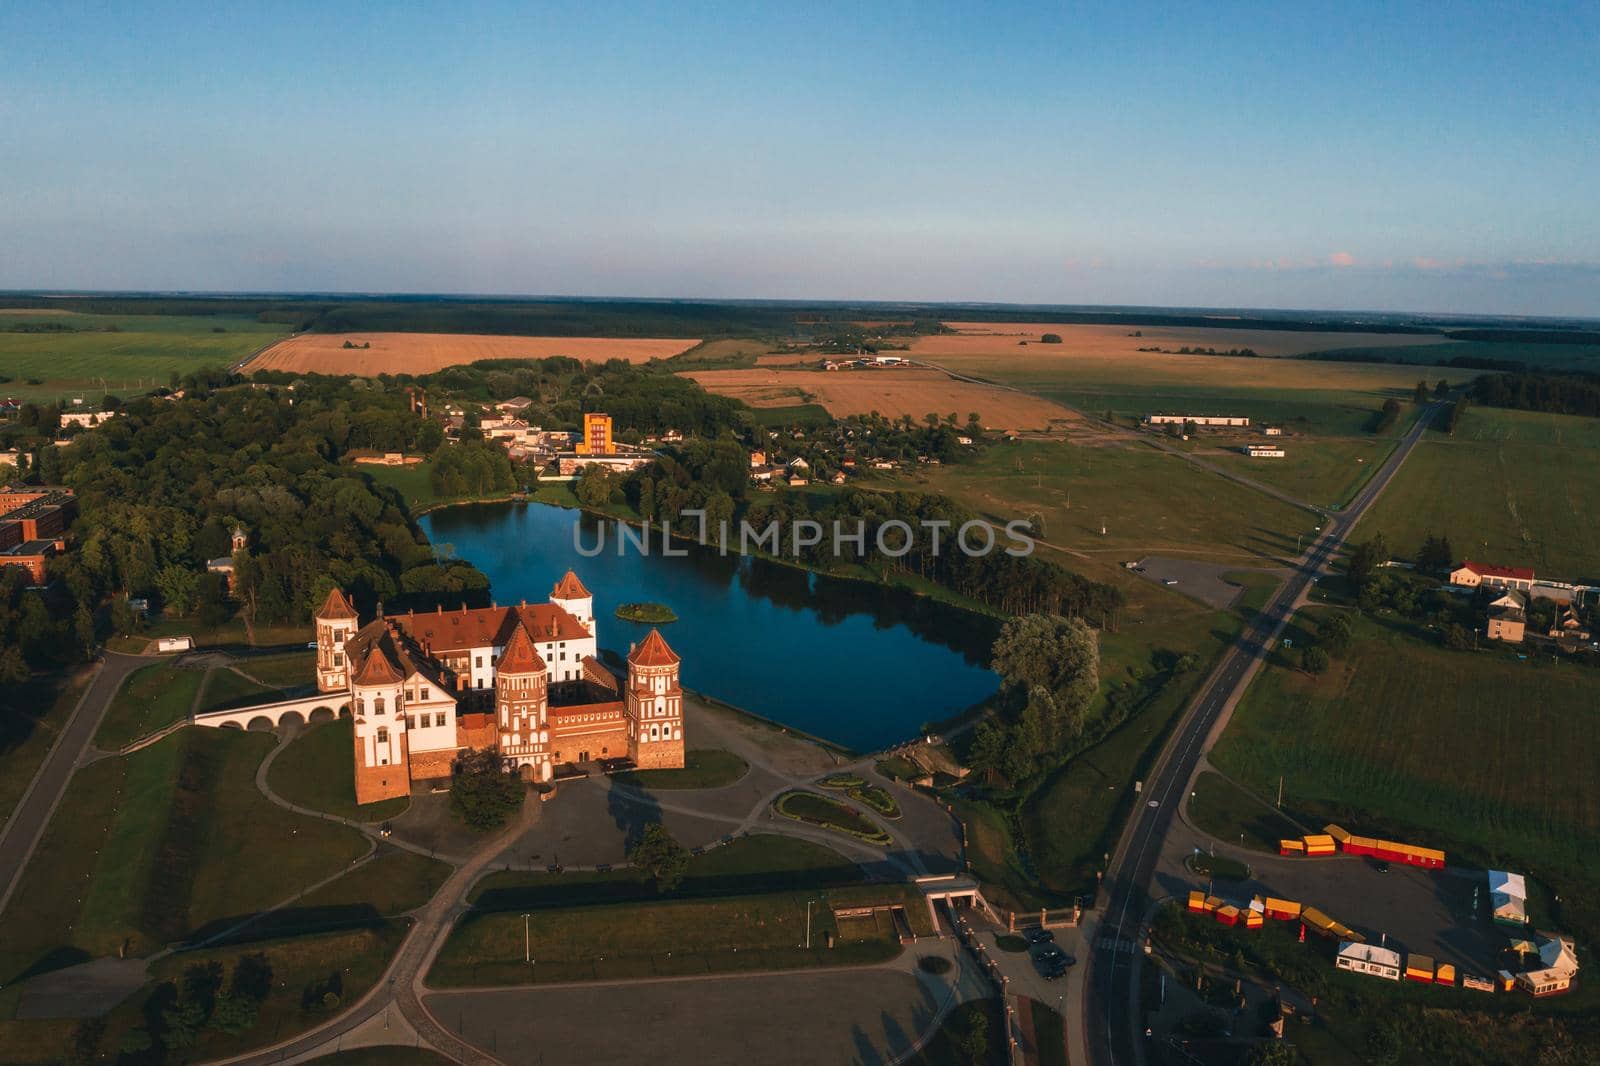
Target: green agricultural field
[[1472, 750], [1510, 487], [152, 847], [1149, 503], [90, 355], [152, 698], [1538, 356], [674, 937], [317, 771], [1323, 471]]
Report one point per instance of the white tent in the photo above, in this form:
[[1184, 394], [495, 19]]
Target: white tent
[[1508, 897]]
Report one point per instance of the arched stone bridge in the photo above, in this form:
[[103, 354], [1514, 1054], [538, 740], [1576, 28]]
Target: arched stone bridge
[[264, 717]]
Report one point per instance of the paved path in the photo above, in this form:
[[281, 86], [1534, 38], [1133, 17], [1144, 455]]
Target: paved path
[[26, 825], [1109, 1005]]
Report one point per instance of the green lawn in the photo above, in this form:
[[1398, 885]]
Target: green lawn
[[1049, 1032], [227, 688], [383, 1056], [1472, 750], [152, 697], [1147, 502], [1510, 487], [388, 885], [317, 770], [830, 814], [702, 768], [293, 670], [673, 937], [119, 353], [763, 862], [1229, 813], [31, 716], [149, 848]]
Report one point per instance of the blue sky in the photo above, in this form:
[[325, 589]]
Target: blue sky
[[1414, 157]]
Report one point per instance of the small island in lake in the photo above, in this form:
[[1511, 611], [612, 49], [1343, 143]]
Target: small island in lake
[[654, 613]]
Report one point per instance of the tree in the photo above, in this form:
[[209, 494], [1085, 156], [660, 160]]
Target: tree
[[482, 794], [1458, 637], [1436, 555], [1334, 634], [1420, 394], [1273, 1053], [1050, 338], [971, 1036], [1313, 660], [1442, 389], [1366, 558], [660, 857], [1051, 665]]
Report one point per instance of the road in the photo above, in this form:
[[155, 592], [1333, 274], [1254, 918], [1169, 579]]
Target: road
[[22, 832], [1110, 986]]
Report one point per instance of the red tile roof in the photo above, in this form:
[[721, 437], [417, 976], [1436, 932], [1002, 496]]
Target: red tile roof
[[520, 656], [569, 588], [443, 631], [1515, 573], [653, 651], [376, 669], [336, 606]]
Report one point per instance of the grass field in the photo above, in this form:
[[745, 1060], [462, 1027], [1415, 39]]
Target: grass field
[[149, 848], [1511, 487], [674, 937], [422, 353], [31, 715], [889, 392], [703, 768], [1584, 357], [1324, 471], [293, 670], [119, 353], [1473, 750], [151, 698], [227, 688], [1086, 339], [762, 862], [316, 771], [1229, 813], [1149, 503]]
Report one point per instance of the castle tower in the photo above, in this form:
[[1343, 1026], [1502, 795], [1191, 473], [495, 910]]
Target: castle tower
[[377, 693], [522, 707], [570, 595], [241, 539], [336, 621], [654, 705]]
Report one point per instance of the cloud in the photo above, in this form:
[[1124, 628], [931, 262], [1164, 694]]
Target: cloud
[[1342, 259]]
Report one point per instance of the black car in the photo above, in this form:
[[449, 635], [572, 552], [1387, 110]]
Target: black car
[[1039, 936]]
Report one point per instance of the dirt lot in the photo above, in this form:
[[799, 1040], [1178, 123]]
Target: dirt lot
[[420, 353], [981, 337], [889, 392]]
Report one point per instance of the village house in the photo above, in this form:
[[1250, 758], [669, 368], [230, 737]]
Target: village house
[[85, 419], [1471, 575], [1199, 420], [1369, 959], [1264, 451], [1508, 617], [1568, 626], [525, 680], [514, 406]]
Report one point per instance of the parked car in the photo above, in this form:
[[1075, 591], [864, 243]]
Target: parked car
[[1039, 936]]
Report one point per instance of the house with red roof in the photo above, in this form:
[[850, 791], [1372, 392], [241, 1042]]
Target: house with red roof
[[526, 680], [1471, 575]]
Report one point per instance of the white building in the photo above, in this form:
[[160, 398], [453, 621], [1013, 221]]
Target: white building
[[1199, 420], [1368, 959], [1264, 451], [1508, 897], [87, 419]]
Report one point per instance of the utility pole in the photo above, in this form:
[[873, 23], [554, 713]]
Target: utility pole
[[808, 925], [527, 942]]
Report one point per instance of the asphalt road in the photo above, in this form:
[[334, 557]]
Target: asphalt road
[[1110, 985], [21, 834]]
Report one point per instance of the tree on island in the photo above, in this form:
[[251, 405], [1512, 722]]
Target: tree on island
[[482, 794], [1050, 338], [660, 858]]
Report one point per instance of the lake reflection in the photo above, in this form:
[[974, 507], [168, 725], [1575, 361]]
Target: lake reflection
[[858, 664]]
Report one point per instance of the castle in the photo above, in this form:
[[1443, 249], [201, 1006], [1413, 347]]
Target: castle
[[424, 687]]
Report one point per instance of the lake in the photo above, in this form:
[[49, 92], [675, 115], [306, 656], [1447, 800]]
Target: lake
[[852, 662]]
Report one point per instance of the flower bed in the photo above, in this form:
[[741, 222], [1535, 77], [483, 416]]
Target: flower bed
[[818, 810]]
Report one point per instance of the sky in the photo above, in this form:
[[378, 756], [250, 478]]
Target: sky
[[1346, 156]]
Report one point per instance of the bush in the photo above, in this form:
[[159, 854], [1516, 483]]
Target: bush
[[934, 964]]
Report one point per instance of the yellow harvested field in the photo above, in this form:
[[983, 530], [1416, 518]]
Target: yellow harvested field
[[889, 392], [983, 338], [422, 353]]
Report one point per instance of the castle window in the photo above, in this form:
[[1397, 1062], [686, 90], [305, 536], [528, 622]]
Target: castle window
[[480, 682], [411, 722], [425, 693], [480, 660], [338, 658], [377, 705], [438, 719], [361, 705], [383, 735]]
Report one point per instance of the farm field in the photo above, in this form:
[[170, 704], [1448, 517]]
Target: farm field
[[889, 392], [1324, 471], [149, 848], [1306, 396], [91, 355], [1473, 749], [1149, 503], [1089, 339], [422, 353], [1537, 356], [1512, 487]]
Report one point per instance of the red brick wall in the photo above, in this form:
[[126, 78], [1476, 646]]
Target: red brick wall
[[426, 765], [374, 783], [660, 755], [604, 743]]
